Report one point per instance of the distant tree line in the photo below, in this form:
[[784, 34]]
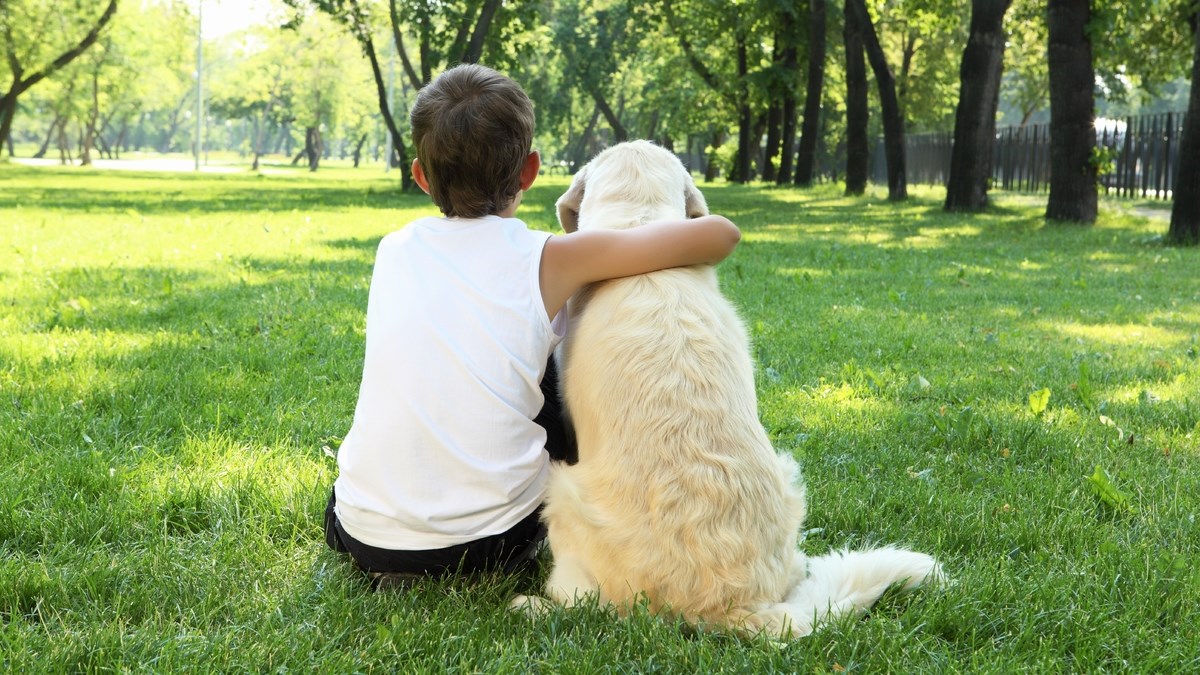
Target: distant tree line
[[755, 90]]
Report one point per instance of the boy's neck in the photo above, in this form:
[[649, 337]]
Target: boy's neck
[[510, 210]]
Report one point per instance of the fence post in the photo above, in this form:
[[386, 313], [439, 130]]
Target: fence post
[[1165, 174], [1126, 160]]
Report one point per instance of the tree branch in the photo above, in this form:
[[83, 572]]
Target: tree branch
[[690, 52], [66, 57], [416, 81], [486, 15]]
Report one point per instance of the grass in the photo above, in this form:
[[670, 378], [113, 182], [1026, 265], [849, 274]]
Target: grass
[[179, 353]]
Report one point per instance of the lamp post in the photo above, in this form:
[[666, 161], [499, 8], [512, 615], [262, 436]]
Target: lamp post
[[199, 80]]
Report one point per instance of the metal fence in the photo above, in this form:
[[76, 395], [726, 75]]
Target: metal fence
[[1143, 151]]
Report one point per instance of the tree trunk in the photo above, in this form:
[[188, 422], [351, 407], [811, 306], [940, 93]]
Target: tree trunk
[[1185, 211], [613, 119], [475, 47], [398, 42], [579, 153], [745, 115], [806, 158], [49, 136], [122, 138], [652, 125], [358, 149], [89, 137], [313, 147], [259, 123], [893, 121], [857, 150], [713, 168], [908, 51], [64, 145], [8, 108], [975, 117], [168, 137], [774, 139], [406, 180], [787, 112], [1072, 113]]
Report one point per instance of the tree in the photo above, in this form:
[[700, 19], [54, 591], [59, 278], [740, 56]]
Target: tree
[[260, 85], [594, 43], [1072, 113], [806, 157], [975, 119], [1185, 211], [703, 31], [446, 32], [893, 120], [857, 114], [779, 82], [790, 66], [318, 94], [28, 35], [1025, 82], [356, 18]]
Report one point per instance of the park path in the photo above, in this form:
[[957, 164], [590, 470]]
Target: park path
[[141, 164]]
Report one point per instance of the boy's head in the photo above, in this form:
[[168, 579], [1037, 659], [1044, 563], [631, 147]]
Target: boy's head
[[473, 129]]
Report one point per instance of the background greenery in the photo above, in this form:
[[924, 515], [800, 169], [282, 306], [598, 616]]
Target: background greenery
[[179, 355], [265, 85]]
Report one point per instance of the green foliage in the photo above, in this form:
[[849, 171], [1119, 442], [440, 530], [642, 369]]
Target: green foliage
[[1104, 160]]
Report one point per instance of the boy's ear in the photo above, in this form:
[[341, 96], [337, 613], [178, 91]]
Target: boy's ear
[[568, 204], [418, 174], [529, 172]]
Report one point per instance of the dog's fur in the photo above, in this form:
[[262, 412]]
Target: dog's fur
[[678, 495]]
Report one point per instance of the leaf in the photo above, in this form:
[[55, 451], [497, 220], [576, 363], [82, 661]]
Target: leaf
[[1107, 421], [1102, 486], [1038, 401], [1083, 387]]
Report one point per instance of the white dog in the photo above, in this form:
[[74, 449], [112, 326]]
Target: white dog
[[678, 495]]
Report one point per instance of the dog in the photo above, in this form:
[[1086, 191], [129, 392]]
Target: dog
[[678, 498]]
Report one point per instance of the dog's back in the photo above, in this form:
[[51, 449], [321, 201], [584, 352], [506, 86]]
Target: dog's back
[[692, 499]]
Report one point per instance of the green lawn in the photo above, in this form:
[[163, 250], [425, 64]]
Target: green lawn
[[180, 354]]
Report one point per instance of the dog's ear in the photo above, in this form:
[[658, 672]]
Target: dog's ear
[[693, 200], [568, 204]]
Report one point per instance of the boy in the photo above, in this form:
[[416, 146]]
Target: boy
[[444, 467]]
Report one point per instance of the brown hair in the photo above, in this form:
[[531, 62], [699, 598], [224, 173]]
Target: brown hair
[[473, 129]]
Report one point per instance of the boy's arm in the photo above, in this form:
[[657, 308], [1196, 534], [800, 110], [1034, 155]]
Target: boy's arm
[[574, 260]]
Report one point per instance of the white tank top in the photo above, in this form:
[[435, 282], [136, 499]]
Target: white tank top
[[443, 449]]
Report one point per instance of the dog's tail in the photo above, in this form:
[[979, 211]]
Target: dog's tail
[[839, 584]]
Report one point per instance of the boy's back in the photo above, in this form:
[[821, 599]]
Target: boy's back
[[457, 342]]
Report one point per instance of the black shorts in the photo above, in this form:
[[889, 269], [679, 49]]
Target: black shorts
[[506, 552]]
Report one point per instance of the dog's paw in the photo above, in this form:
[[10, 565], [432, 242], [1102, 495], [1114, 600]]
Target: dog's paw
[[530, 605]]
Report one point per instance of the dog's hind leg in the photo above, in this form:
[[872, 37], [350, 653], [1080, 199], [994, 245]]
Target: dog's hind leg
[[568, 584], [570, 581]]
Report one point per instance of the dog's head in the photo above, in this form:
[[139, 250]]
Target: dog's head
[[627, 185]]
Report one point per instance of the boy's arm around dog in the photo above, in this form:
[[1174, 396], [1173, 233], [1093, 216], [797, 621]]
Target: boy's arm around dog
[[571, 261]]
